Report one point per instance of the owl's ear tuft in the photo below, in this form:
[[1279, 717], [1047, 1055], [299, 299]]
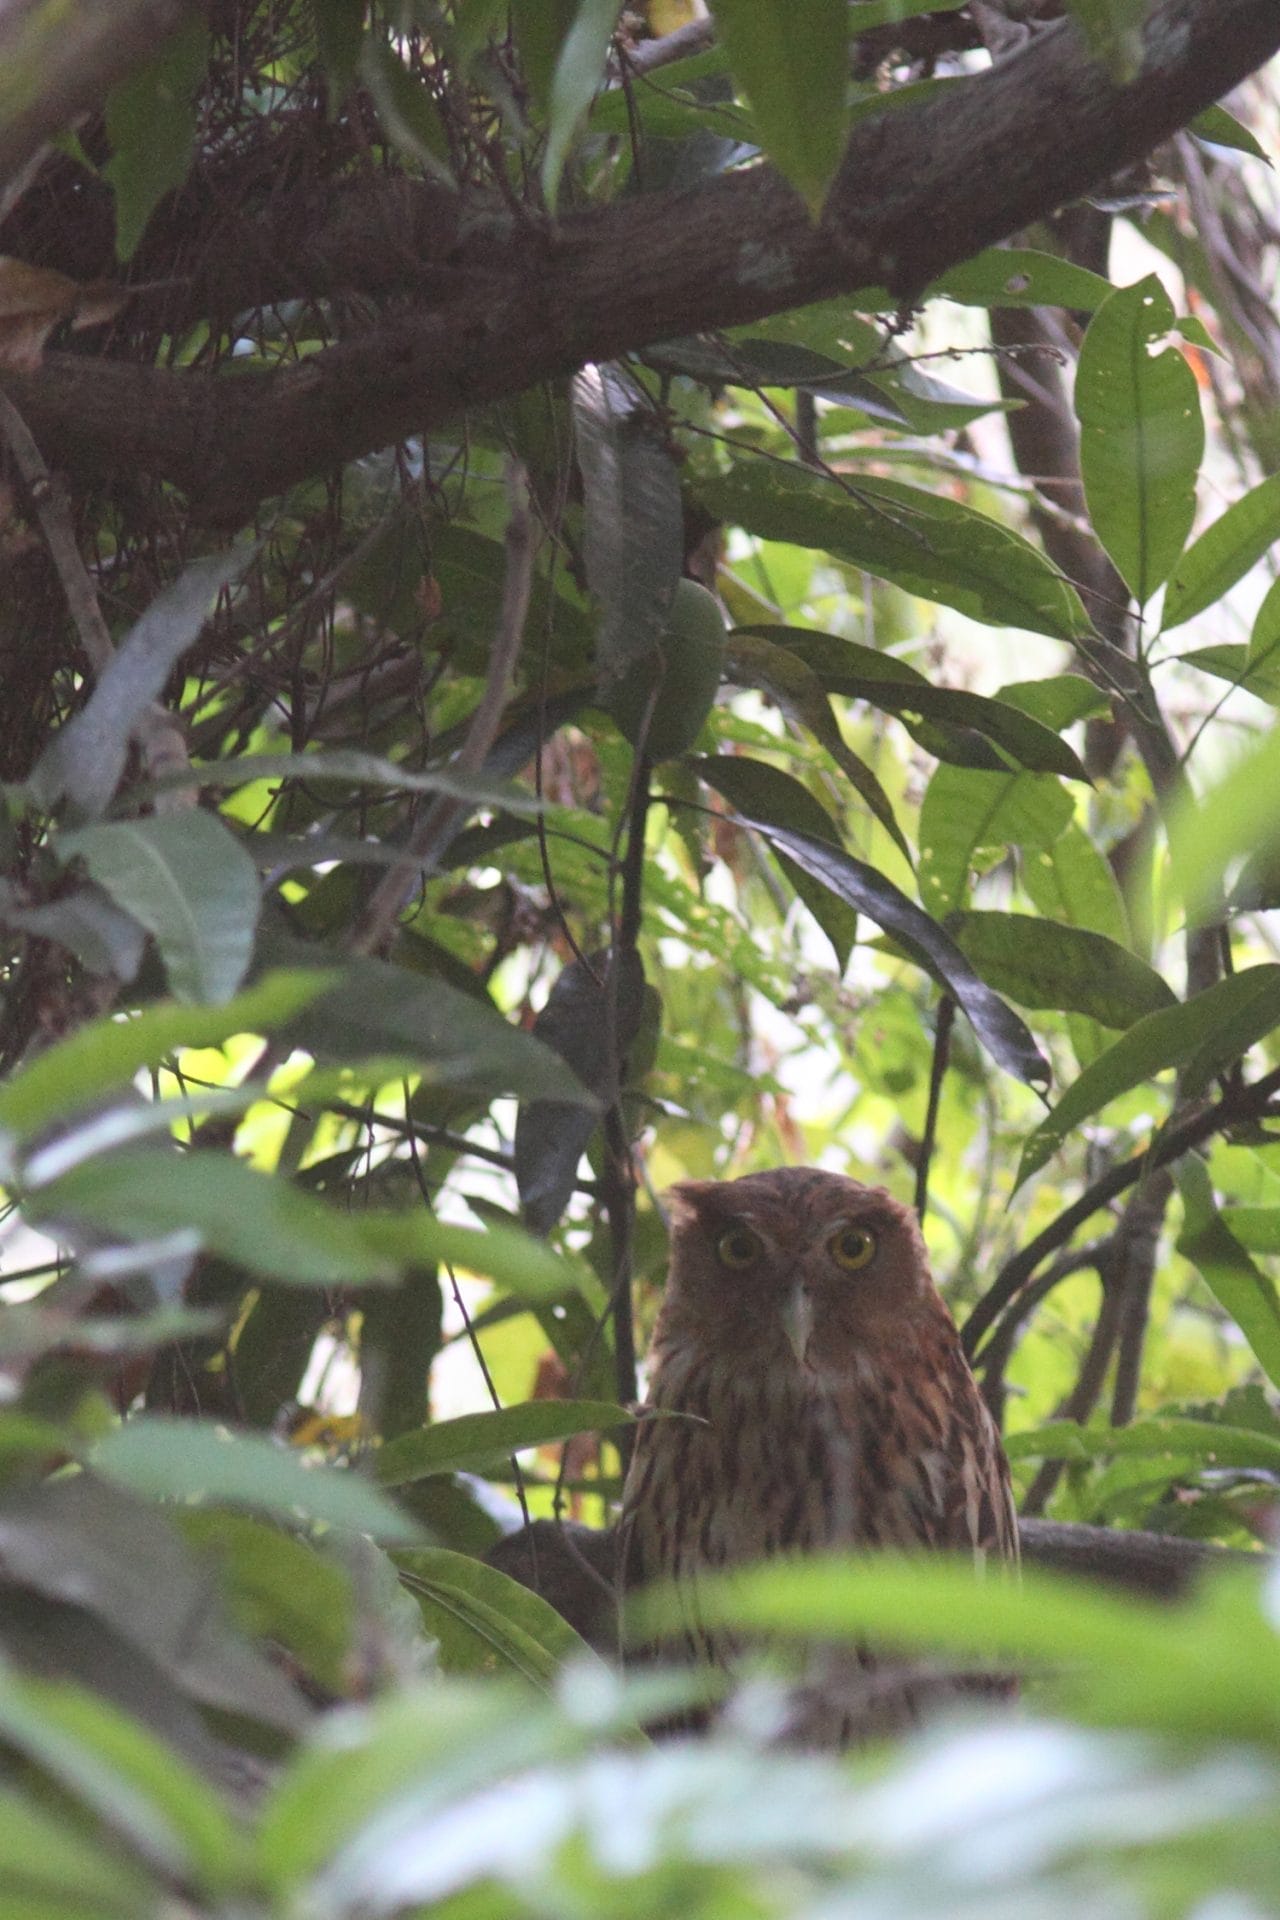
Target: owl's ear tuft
[[691, 1201]]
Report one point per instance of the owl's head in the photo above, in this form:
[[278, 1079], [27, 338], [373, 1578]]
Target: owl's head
[[794, 1256]]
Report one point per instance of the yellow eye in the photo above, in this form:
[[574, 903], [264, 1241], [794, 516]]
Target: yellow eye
[[737, 1248], [852, 1247]]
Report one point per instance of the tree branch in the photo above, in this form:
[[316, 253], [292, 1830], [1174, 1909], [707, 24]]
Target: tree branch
[[921, 189]]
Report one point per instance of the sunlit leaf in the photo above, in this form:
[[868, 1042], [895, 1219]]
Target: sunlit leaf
[[1247, 1294], [1224, 553], [793, 70]]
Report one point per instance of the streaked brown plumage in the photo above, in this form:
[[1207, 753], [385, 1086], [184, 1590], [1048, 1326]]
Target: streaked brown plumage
[[834, 1404]]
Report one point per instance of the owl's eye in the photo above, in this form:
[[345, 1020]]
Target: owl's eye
[[852, 1247], [737, 1248]]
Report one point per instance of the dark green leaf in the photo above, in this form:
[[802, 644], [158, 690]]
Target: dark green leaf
[[766, 793], [188, 882], [484, 1621], [1201, 1036], [1222, 129], [920, 541], [151, 124], [1042, 963], [1247, 1294], [1224, 553], [85, 760], [1021, 277], [107, 1054], [187, 1460], [758, 660], [590, 1020], [795, 74], [474, 1442], [1000, 1030], [1204, 1441], [967, 813], [1141, 435], [578, 73]]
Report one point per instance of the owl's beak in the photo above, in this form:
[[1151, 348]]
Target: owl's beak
[[797, 1321]]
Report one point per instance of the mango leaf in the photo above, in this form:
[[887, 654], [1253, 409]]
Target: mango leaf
[[1021, 277], [1201, 1036], [1070, 880], [999, 1029], [1042, 963], [919, 541], [374, 1009], [1204, 1441], [577, 75], [278, 1587], [348, 766], [766, 793], [161, 1458], [1128, 1661], [263, 1224], [794, 73], [1058, 700], [967, 812], [86, 758], [484, 1620], [758, 661], [1224, 553], [474, 1442], [889, 685], [106, 1055], [151, 124], [65, 1869], [141, 1789], [1222, 129], [1141, 435], [1234, 663], [591, 1018], [634, 538], [1241, 1288], [190, 883], [103, 939], [1240, 815]]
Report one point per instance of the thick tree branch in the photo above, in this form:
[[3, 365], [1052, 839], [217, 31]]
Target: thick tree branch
[[921, 189]]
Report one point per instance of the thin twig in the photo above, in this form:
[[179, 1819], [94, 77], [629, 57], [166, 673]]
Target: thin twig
[[432, 835], [937, 1073], [1236, 1105]]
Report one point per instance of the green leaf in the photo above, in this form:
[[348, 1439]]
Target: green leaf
[[86, 758], [1224, 553], [1201, 1036], [578, 74], [1222, 129], [1113, 33], [161, 1458], [375, 1010], [1022, 277], [634, 538], [92, 1061], [151, 124], [766, 793], [1204, 1441], [1240, 815], [261, 1223], [919, 541], [1246, 1293], [474, 1442], [1141, 435], [1042, 963], [966, 813], [66, 1872], [190, 883], [793, 70], [339, 28], [999, 1029], [1070, 880], [161, 1808], [759, 661], [1058, 700], [1233, 663], [278, 1587], [347, 766], [406, 108], [484, 1620]]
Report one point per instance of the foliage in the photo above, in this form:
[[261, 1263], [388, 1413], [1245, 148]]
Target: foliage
[[396, 896]]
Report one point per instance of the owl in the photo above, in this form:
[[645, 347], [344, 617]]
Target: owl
[[832, 1406]]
